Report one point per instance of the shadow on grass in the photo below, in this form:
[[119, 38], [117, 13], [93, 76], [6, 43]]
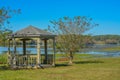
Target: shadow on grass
[[4, 68], [87, 62], [62, 65], [79, 62]]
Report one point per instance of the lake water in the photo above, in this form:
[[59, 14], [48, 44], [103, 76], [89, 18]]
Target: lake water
[[19, 50], [93, 51]]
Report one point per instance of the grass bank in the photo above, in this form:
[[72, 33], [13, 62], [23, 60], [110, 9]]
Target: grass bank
[[83, 69], [112, 49]]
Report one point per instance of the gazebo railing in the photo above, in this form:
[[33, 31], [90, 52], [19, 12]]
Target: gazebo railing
[[26, 60], [31, 60]]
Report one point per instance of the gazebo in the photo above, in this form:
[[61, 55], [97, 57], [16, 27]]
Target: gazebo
[[26, 60]]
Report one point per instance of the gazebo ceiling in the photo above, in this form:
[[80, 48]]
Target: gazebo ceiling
[[31, 32]]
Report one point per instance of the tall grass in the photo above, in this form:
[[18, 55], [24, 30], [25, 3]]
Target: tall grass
[[3, 58]]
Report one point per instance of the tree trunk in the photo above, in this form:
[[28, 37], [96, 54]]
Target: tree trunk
[[70, 58]]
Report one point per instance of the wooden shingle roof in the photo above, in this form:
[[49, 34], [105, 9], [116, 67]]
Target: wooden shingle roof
[[32, 32]]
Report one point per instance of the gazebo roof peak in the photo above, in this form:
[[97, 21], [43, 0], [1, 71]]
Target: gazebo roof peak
[[32, 31]]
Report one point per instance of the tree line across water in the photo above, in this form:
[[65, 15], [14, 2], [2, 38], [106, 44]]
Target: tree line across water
[[97, 39], [106, 39]]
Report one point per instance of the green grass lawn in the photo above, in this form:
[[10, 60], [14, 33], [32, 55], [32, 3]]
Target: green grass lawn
[[82, 69]]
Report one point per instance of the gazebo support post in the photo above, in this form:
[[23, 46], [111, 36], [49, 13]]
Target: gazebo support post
[[38, 52], [24, 47], [24, 53], [54, 51], [46, 57], [8, 54], [14, 52]]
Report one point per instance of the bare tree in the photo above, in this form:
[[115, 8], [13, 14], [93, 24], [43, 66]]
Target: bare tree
[[5, 15], [70, 33]]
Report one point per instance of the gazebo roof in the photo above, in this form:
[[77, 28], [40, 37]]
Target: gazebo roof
[[31, 32]]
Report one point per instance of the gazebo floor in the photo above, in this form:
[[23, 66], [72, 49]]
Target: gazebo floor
[[42, 66]]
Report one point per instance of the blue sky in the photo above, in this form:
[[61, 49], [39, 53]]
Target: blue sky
[[39, 12]]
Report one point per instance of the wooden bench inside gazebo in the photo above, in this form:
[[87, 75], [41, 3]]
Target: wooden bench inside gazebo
[[26, 59]]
